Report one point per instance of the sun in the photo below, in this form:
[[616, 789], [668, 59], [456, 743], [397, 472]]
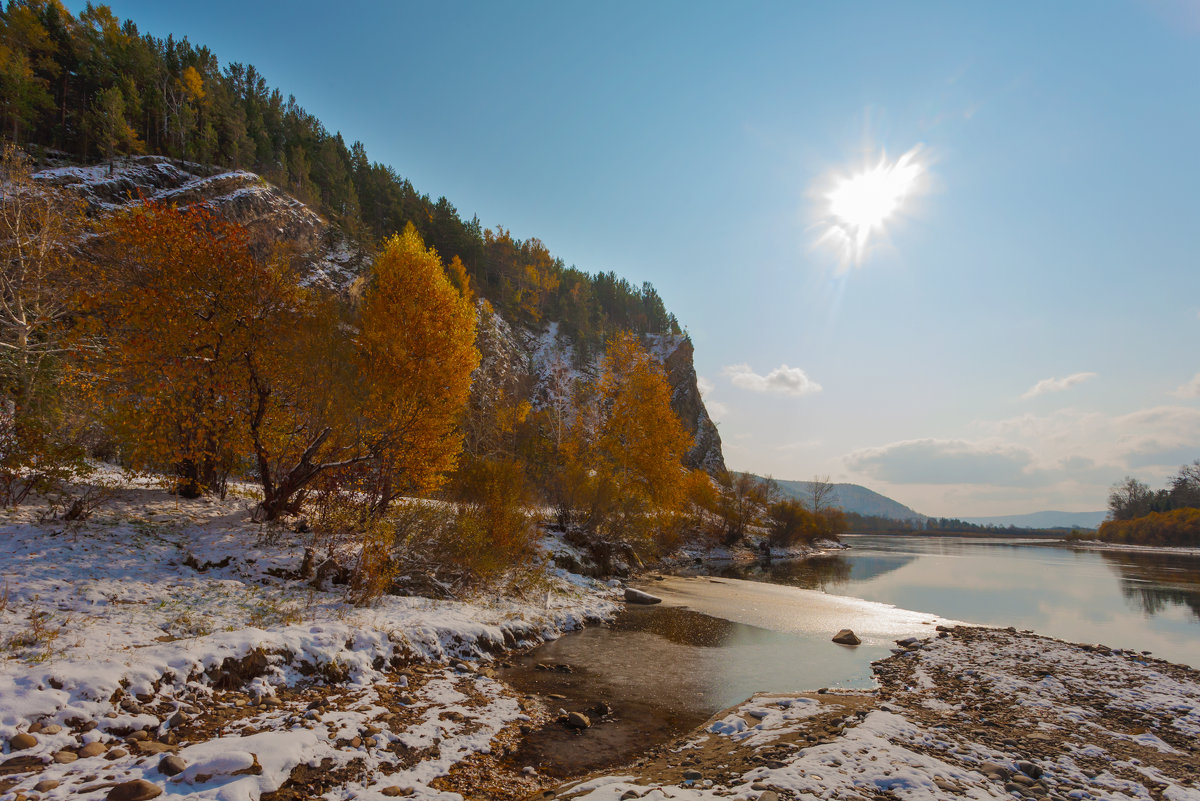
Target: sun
[[859, 204]]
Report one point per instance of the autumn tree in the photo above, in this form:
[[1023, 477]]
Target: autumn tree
[[1130, 498], [180, 309], [789, 522], [622, 458], [112, 129], [744, 499], [416, 352], [39, 229]]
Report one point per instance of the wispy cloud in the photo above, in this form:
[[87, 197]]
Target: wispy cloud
[[1047, 385], [1190, 389], [783, 379]]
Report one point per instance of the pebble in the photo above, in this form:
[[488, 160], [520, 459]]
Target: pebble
[[769, 795], [92, 749], [46, 785], [1029, 769], [177, 720], [693, 775], [578, 720], [65, 757], [628, 794], [116, 753], [53, 728], [20, 742], [395, 791], [138, 735], [136, 790]]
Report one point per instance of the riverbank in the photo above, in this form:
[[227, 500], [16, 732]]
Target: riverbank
[[972, 712], [1098, 545], [171, 645]]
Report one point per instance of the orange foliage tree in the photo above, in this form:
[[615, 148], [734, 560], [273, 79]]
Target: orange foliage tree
[[179, 308]]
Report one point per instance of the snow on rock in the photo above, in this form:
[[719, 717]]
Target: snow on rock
[[243, 197]]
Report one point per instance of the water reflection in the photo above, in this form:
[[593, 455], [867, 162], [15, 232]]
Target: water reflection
[[828, 573], [1154, 582], [682, 626]]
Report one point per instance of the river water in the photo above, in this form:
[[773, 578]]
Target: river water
[[722, 634]]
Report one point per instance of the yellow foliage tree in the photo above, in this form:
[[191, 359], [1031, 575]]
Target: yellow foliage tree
[[416, 350], [621, 471], [642, 438]]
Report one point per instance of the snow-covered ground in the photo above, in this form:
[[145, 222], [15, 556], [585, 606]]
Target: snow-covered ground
[[158, 606]]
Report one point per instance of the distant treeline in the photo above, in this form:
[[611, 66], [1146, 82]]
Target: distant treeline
[[872, 524], [92, 87], [1142, 516]]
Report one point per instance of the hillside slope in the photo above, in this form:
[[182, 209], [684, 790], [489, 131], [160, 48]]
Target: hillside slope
[[853, 498]]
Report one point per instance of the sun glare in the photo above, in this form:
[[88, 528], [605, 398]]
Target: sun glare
[[860, 204]]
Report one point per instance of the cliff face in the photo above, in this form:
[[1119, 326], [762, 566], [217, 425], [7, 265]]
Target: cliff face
[[539, 363], [542, 363], [686, 401]]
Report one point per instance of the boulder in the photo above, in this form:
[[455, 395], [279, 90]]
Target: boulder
[[846, 637], [171, 764], [638, 597]]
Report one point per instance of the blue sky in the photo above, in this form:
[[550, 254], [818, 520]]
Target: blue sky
[[689, 144]]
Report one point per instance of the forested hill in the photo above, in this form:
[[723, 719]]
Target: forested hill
[[92, 87]]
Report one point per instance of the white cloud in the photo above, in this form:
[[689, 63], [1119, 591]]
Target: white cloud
[[1190, 389], [783, 379], [1056, 384], [717, 411], [939, 461]]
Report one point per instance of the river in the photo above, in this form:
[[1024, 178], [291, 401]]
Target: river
[[724, 633]]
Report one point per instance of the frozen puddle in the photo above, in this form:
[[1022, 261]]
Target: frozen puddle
[[792, 610]]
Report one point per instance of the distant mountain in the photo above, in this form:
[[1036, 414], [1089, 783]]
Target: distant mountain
[[853, 498], [1043, 520]]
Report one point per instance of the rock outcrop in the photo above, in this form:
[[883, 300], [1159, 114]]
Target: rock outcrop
[[270, 215]]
